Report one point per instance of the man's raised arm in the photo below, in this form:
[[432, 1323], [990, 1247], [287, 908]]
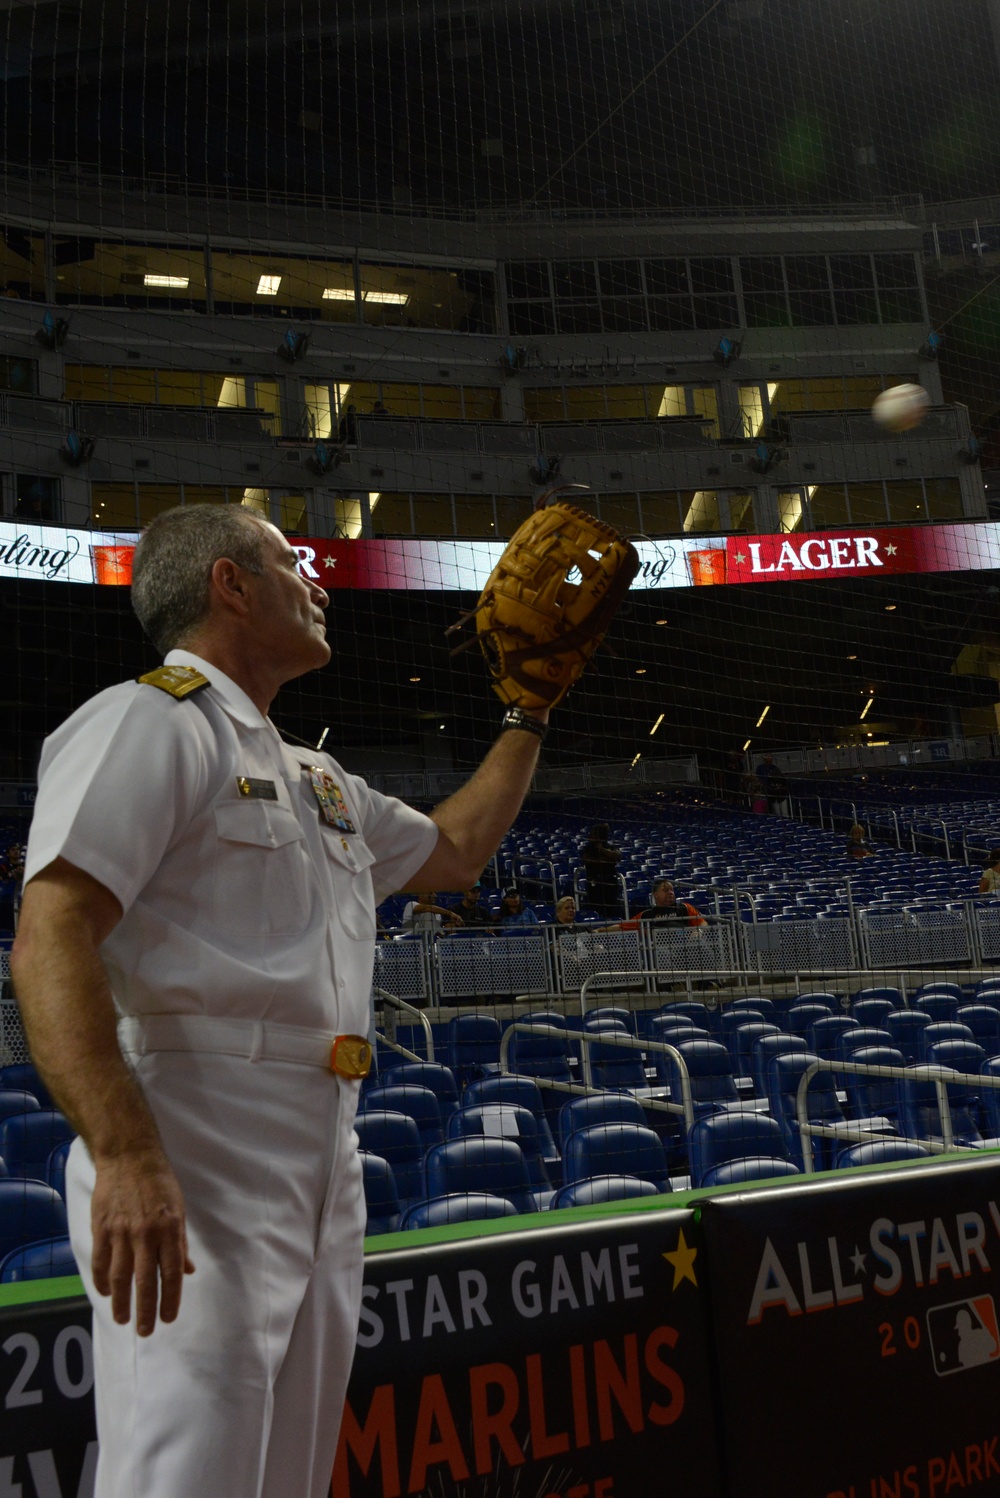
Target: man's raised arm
[[71, 1026]]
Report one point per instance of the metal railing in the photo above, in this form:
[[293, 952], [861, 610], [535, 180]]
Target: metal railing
[[395, 1002]]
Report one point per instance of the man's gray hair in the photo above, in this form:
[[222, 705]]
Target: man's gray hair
[[173, 566]]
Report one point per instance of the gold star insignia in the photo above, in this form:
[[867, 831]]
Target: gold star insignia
[[330, 561], [682, 1260], [890, 551], [740, 558]]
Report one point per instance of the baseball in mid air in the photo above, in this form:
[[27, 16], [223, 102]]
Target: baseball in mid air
[[901, 407]]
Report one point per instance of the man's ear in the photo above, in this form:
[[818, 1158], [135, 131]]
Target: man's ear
[[229, 586]]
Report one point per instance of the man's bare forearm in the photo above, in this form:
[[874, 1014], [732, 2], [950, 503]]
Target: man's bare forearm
[[474, 820], [71, 1025]]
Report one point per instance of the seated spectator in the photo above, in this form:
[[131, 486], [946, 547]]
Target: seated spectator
[[857, 845], [472, 910], [514, 912], [990, 881], [423, 917], [566, 912], [667, 910]]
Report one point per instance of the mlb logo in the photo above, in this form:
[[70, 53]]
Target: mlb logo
[[963, 1335]]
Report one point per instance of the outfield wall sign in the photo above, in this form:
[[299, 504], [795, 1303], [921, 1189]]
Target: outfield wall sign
[[50, 554]]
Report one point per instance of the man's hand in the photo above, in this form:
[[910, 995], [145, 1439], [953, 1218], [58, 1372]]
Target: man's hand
[[137, 1214], [455, 919]]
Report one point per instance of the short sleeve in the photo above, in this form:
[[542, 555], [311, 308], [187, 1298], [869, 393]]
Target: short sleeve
[[401, 838], [117, 782]]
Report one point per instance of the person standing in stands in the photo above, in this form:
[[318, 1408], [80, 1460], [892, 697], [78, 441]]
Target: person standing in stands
[[600, 860], [194, 968], [989, 883], [667, 910]]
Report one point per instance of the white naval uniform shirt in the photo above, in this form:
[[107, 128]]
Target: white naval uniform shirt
[[233, 906]]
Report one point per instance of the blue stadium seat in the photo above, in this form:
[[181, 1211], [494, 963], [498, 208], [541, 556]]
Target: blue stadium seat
[[464, 1206], [616, 1149], [524, 1092], [860, 1039], [830, 1000], [598, 1108], [724, 1137], [881, 1152], [744, 1039], [920, 1115], [710, 1072], [381, 1196], [823, 1107], [22, 1077], [473, 1046], [766, 1046], [596, 1189], [473, 1164], [906, 1026], [542, 1055], [760, 1005], [938, 986], [873, 1011], [420, 1103], [941, 1030], [50, 1259], [733, 1019], [505, 1121], [874, 1097], [396, 1138], [990, 1098], [29, 1212], [824, 1035], [801, 1017], [28, 1139], [938, 1006], [55, 1168], [440, 1079], [17, 1101], [734, 1172], [890, 996], [617, 1066], [596, 1019], [984, 1022]]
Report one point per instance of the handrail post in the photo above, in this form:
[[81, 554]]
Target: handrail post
[[398, 1003], [802, 1117]]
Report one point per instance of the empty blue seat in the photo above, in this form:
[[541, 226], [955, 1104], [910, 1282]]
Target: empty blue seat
[[824, 1035], [784, 1074], [542, 1055], [739, 1135], [801, 1017], [906, 1026], [420, 1103], [881, 1152], [440, 1079], [699, 1014], [710, 1074], [21, 1076], [13, 1101], [55, 1169], [457, 1206], [733, 1019], [598, 1018], [984, 1022], [989, 1098], [871, 1096], [860, 1039], [603, 1189], [479, 1164], [830, 1000], [744, 1039], [616, 1149], [938, 1006], [920, 1114], [28, 1139], [524, 1092], [939, 986], [50, 1259], [890, 996], [396, 1138], [29, 1212], [381, 1196], [598, 1108], [734, 1172], [939, 1031], [872, 1012], [766, 1046], [473, 1046], [616, 1066], [760, 1005], [505, 1121]]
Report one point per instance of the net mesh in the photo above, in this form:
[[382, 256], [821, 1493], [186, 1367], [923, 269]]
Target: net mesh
[[381, 275]]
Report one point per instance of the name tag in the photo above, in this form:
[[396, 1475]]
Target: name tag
[[332, 806], [256, 790]]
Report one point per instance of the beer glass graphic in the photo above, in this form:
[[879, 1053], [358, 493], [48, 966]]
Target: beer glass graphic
[[113, 565], [707, 566]]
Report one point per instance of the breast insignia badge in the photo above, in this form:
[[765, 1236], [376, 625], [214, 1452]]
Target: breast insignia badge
[[177, 681], [332, 806]]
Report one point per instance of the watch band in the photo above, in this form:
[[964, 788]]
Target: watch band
[[516, 717]]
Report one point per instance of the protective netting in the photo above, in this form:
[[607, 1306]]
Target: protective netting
[[381, 274]]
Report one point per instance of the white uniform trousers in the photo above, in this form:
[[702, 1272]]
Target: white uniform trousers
[[241, 1396]]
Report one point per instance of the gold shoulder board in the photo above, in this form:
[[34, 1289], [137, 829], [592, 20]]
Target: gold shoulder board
[[179, 681]]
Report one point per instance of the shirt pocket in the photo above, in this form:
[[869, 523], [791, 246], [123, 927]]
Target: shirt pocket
[[353, 892], [261, 884]]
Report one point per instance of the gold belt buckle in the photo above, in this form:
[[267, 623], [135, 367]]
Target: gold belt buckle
[[351, 1056]]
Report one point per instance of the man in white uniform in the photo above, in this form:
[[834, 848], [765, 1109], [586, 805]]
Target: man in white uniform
[[194, 964]]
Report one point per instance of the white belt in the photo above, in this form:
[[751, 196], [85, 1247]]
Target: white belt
[[257, 1040]]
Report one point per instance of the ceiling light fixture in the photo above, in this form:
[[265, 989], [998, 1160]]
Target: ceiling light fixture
[[268, 285], [657, 724], [180, 282], [763, 716], [663, 621], [852, 657], [864, 710], [890, 608], [746, 746], [636, 760], [391, 298], [338, 294], [640, 671], [414, 678]]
